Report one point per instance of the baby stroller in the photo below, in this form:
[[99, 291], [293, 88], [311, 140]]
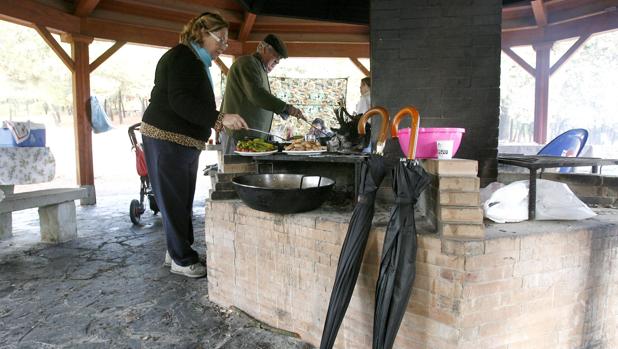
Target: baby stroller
[[137, 206]]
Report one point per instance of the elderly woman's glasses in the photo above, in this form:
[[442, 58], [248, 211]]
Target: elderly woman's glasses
[[223, 43]]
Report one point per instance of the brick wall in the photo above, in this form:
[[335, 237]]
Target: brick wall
[[442, 56], [554, 288], [557, 289], [280, 269]]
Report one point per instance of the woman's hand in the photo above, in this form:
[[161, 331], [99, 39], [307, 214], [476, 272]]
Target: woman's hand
[[234, 121]]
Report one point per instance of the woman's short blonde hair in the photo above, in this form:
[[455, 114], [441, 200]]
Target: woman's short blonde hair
[[204, 23]]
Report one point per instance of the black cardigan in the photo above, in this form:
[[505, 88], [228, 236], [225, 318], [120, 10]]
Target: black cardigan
[[182, 99]]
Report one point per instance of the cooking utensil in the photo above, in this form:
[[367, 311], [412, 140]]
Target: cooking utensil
[[264, 132], [283, 193], [320, 130]]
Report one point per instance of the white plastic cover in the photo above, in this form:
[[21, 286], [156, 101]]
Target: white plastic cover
[[554, 201]]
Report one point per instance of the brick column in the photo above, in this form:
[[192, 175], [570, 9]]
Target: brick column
[[443, 57], [455, 198]]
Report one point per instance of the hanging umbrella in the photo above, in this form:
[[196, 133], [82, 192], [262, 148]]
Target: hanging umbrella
[[398, 262], [350, 258]]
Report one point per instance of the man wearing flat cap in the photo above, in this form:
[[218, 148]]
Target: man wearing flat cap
[[247, 91]]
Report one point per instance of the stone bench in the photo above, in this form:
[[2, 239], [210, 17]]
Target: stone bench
[[57, 216]]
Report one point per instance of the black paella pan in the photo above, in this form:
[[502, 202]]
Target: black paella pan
[[283, 193]]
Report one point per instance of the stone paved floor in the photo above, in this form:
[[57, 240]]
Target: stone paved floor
[[108, 289]]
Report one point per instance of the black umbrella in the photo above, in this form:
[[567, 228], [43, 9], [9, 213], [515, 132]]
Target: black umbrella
[[398, 262], [350, 258]]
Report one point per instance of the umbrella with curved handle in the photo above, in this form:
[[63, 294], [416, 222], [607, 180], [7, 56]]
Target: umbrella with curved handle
[[384, 126], [372, 173], [405, 111], [398, 261]]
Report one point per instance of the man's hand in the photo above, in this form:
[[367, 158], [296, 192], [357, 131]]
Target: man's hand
[[234, 122], [292, 110]]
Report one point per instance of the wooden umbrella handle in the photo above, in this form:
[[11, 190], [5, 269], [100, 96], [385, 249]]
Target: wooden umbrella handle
[[408, 110], [371, 113]]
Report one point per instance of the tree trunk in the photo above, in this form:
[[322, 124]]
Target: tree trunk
[[56, 114], [121, 114]]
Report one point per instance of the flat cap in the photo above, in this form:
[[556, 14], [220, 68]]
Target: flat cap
[[277, 44]]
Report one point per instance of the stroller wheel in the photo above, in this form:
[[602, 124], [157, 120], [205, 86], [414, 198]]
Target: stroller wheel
[[153, 204], [135, 211]]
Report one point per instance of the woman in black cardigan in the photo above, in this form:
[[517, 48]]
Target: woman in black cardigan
[[175, 128]]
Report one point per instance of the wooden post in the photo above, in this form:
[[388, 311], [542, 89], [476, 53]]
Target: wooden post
[[83, 130], [541, 91], [360, 66]]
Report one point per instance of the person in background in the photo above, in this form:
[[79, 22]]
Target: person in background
[[247, 91], [364, 103], [175, 128], [319, 129]]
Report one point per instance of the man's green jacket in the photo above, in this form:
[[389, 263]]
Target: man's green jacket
[[247, 92]]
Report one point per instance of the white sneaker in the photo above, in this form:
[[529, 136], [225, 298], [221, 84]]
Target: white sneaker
[[168, 260], [196, 270]]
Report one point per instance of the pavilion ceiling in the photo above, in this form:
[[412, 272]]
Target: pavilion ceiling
[[334, 28]]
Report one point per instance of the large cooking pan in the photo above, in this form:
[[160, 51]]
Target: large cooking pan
[[283, 193]]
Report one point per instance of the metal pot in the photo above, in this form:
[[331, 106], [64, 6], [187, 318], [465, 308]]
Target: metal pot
[[283, 193], [324, 139]]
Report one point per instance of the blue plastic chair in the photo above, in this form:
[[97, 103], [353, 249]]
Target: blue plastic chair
[[569, 144]]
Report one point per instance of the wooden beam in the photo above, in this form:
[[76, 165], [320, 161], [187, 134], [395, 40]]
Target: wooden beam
[[560, 31], [541, 92], [83, 8], [222, 66], [313, 49], [540, 12], [217, 4], [360, 66], [516, 11], [55, 46], [145, 10], [30, 11], [246, 26], [523, 9], [576, 45], [111, 30], [337, 28], [108, 53], [522, 63], [567, 11]]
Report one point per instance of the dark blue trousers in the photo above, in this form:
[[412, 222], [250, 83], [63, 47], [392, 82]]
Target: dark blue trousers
[[172, 170]]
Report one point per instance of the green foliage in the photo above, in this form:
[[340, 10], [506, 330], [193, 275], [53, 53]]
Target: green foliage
[[30, 72], [34, 81]]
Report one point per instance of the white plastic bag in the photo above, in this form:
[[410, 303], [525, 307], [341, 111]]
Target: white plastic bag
[[489, 190], [554, 201], [98, 118]]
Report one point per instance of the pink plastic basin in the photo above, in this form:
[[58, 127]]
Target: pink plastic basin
[[426, 146]]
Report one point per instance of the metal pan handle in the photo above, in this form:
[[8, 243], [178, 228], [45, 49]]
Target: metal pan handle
[[302, 179]]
